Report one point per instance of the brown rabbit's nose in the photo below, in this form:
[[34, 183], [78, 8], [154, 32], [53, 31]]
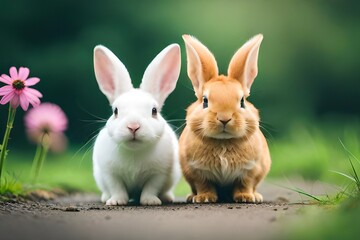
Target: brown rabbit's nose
[[133, 127], [224, 122]]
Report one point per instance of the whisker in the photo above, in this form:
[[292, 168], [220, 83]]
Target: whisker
[[94, 121], [176, 120], [267, 131], [93, 135], [87, 150], [268, 125], [91, 114], [180, 127]]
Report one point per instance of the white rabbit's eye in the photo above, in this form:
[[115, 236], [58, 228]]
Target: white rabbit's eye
[[205, 102], [154, 112], [242, 103], [115, 112]]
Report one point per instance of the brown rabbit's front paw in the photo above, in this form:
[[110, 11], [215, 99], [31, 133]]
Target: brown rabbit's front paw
[[205, 198], [189, 198], [244, 197], [258, 197]]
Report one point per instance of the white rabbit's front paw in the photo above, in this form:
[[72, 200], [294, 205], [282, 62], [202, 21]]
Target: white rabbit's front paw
[[104, 197], [116, 200], [150, 200], [167, 197]]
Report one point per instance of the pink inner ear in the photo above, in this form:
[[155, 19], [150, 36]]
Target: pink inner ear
[[166, 81], [104, 71], [169, 77], [161, 75]]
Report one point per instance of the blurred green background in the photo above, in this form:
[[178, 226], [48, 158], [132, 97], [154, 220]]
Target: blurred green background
[[308, 64], [306, 90]]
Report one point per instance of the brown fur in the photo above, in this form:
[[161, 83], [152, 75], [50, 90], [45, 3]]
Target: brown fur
[[223, 162]]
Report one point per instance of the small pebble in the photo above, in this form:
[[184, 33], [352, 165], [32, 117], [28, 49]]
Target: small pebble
[[285, 208], [282, 200], [71, 209], [94, 208], [230, 207], [275, 209]]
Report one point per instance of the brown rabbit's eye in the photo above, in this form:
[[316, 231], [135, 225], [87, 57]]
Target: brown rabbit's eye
[[242, 103], [205, 102], [115, 112], [154, 112]]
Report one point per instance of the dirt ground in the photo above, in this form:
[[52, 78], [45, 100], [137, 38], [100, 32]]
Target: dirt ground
[[82, 216]]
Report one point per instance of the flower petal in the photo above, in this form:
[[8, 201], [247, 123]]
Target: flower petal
[[34, 100], [33, 92], [14, 102], [32, 81], [6, 90], [13, 73], [23, 73], [5, 99], [24, 102], [6, 79]]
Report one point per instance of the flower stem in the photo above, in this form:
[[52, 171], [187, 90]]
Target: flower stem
[[40, 156], [35, 162], [9, 126]]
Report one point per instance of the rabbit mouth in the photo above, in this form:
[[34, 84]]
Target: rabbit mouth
[[223, 135], [134, 139], [133, 143]]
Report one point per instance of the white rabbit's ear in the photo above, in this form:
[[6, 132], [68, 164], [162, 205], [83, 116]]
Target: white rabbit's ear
[[201, 64], [244, 64], [111, 74], [161, 75]]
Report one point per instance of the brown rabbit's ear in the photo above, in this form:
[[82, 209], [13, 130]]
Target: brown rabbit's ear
[[244, 64], [201, 64]]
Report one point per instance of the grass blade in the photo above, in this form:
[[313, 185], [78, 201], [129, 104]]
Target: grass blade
[[300, 191], [349, 152], [344, 175]]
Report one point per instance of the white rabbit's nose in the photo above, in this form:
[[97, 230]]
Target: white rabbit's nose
[[133, 127]]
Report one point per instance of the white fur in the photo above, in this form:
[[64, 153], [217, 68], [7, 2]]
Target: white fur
[[143, 165]]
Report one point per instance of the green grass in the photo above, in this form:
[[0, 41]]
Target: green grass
[[341, 222], [314, 152], [338, 222], [11, 186], [71, 171]]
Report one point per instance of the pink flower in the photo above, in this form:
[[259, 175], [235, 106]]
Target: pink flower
[[47, 122], [17, 91]]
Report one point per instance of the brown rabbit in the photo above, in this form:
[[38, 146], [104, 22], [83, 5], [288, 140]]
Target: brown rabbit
[[223, 153]]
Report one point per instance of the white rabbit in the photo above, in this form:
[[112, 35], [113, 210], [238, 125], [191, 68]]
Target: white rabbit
[[136, 154]]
